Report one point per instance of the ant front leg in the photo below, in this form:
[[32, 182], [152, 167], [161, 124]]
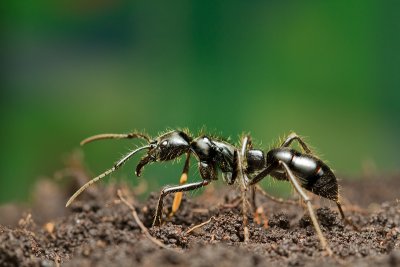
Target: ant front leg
[[307, 200], [292, 137], [178, 196], [174, 189]]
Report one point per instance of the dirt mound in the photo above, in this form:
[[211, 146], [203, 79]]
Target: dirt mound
[[99, 230]]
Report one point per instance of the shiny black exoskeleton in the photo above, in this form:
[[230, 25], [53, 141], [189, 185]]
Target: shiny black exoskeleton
[[212, 155], [302, 169], [313, 174]]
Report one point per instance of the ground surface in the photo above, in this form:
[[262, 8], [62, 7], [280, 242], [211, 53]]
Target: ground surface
[[99, 230]]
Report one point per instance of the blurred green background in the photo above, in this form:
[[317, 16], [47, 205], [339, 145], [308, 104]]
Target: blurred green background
[[328, 70]]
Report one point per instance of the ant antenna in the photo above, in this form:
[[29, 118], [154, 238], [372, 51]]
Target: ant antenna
[[114, 136], [114, 168]]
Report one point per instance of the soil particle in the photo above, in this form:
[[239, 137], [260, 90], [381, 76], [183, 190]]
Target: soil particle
[[326, 217], [279, 220], [100, 231]]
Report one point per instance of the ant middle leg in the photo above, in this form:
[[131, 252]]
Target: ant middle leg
[[168, 190], [307, 200], [178, 195], [248, 144], [241, 158]]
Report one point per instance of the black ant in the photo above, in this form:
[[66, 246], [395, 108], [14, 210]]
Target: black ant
[[302, 169]]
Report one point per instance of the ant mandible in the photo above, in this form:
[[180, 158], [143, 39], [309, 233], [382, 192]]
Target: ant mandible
[[302, 169]]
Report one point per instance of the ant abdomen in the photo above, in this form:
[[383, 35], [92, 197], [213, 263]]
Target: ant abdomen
[[312, 173]]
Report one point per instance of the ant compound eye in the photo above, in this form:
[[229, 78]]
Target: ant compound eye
[[164, 143]]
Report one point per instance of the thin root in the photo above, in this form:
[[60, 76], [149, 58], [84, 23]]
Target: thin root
[[232, 204], [276, 199], [198, 226], [141, 225]]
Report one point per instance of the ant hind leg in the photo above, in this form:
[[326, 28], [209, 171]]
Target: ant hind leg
[[307, 200], [344, 218], [292, 137]]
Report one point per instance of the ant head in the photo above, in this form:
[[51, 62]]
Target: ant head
[[166, 147]]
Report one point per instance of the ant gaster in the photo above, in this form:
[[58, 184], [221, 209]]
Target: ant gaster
[[302, 169]]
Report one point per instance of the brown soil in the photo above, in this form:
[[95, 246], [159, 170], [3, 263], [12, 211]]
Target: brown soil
[[99, 230]]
